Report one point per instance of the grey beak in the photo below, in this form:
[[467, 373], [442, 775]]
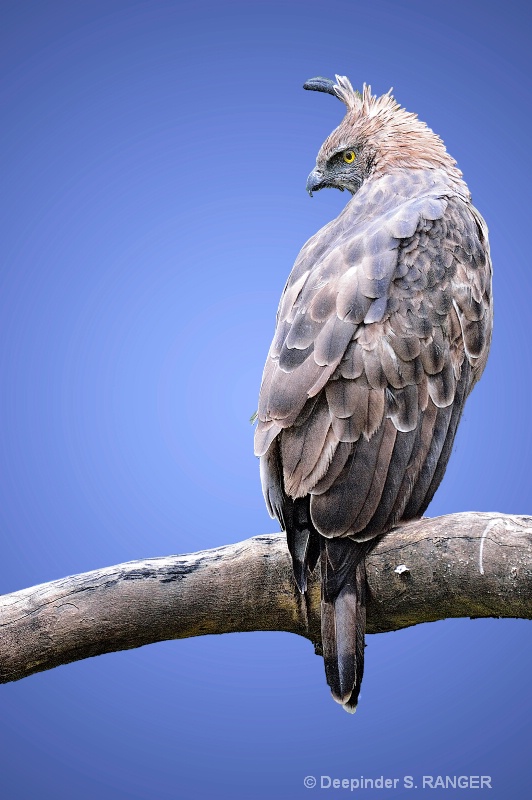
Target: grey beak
[[313, 181]]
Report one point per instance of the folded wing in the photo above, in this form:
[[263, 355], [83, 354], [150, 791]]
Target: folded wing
[[382, 330]]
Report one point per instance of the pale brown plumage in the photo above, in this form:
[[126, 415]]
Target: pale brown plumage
[[383, 328]]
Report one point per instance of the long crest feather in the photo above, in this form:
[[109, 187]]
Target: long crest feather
[[364, 101], [344, 91]]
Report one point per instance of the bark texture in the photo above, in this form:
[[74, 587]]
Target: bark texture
[[460, 565]]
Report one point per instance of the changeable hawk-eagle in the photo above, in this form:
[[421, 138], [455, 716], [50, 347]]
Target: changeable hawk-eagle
[[382, 331]]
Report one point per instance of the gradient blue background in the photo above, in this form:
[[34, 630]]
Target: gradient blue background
[[154, 158]]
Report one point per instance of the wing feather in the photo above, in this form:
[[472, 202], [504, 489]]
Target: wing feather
[[302, 447], [380, 473], [333, 511]]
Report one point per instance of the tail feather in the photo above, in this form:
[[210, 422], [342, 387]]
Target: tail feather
[[343, 597], [343, 617]]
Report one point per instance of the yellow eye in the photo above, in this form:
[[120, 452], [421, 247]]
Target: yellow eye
[[349, 156]]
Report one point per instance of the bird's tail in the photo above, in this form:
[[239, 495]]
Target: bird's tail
[[343, 616]]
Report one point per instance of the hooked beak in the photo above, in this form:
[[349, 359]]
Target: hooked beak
[[314, 181]]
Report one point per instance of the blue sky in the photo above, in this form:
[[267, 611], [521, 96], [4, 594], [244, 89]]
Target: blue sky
[[154, 159]]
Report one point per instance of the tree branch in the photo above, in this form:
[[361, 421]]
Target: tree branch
[[470, 564]]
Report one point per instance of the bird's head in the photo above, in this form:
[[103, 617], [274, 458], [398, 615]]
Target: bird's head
[[376, 136]]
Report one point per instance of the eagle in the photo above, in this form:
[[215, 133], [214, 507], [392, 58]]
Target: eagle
[[383, 329]]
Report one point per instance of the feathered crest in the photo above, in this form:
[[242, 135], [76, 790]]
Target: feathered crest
[[362, 101], [354, 100], [345, 92]]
